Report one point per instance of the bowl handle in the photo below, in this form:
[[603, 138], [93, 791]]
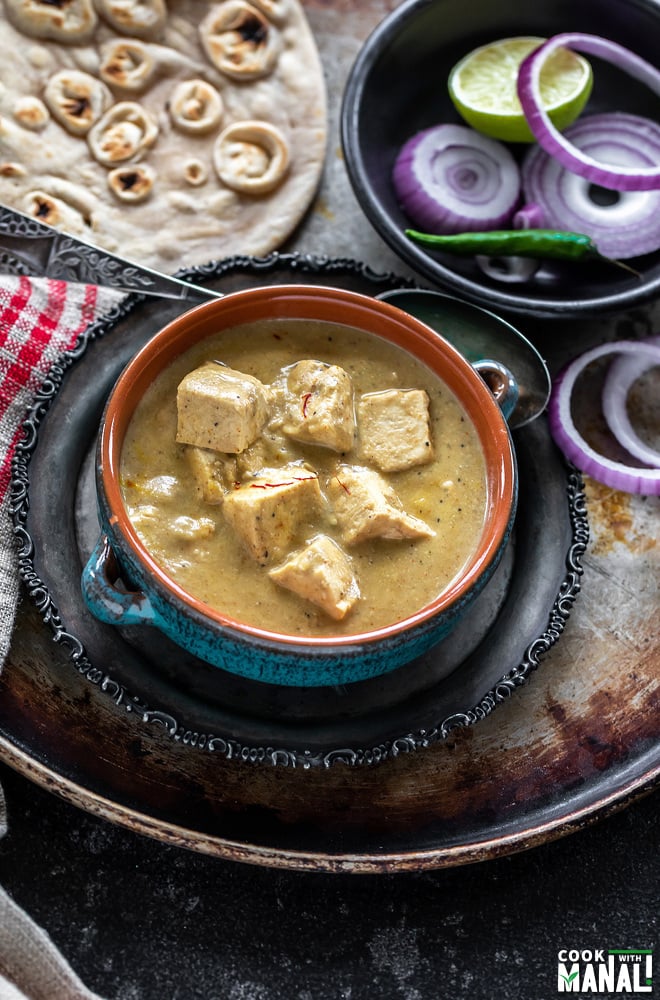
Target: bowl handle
[[501, 383], [106, 598]]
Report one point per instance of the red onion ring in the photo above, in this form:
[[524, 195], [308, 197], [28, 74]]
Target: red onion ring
[[628, 225], [621, 375], [514, 270], [509, 270], [451, 179], [615, 176], [570, 441], [530, 216]]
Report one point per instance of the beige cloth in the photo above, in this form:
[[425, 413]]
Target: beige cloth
[[31, 967]]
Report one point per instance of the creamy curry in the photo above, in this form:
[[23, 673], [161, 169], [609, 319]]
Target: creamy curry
[[304, 477]]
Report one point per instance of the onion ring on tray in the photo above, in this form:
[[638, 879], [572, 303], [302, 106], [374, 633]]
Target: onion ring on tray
[[614, 176], [619, 476], [621, 375]]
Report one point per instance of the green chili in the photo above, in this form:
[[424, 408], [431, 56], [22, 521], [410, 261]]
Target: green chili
[[546, 244]]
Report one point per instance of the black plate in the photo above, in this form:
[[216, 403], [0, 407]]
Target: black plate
[[517, 619], [398, 86]]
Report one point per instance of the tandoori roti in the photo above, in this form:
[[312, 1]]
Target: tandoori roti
[[170, 132]]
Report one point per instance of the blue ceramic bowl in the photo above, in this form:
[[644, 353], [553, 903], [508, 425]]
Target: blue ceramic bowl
[[124, 585]]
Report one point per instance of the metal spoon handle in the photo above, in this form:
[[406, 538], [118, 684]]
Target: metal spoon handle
[[47, 252], [479, 334]]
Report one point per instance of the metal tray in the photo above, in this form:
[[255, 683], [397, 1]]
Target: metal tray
[[101, 718]]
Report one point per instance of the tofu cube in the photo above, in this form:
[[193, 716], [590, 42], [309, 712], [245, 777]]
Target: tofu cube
[[394, 429], [220, 409], [320, 572], [366, 507], [319, 406], [214, 473], [272, 512]]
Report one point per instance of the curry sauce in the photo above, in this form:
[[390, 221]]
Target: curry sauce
[[411, 444]]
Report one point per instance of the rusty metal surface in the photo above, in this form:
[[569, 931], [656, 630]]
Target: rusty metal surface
[[580, 739]]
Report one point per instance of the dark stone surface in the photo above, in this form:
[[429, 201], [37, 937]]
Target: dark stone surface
[[140, 920]]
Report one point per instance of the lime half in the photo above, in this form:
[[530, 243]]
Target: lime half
[[483, 87]]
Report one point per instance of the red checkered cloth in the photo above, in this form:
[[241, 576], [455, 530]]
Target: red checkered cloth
[[39, 319]]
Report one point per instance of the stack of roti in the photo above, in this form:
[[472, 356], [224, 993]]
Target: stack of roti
[[172, 132]]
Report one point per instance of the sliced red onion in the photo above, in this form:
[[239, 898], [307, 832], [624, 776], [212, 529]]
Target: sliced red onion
[[622, 374], [568, 438], [529, 216], [617, 175], [513, 270], [509, 270], [451, 179], [621, 223]]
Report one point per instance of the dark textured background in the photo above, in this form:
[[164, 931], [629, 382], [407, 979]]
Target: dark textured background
[[140, 920]]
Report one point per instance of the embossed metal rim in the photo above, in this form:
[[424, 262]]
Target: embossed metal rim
[[229, 748], [316, 861]]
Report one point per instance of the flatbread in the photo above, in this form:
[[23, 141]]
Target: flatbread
[[197, 132]]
